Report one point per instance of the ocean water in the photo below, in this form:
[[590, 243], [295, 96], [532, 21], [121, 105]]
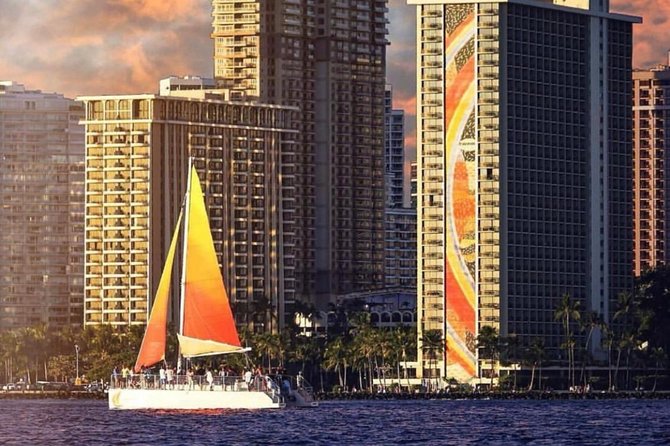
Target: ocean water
[[88, 422]]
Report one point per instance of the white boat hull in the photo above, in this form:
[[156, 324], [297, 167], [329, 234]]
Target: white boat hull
[[129, 399]]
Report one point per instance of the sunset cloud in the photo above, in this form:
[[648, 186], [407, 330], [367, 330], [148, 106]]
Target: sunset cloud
[[650, 44], [87, 47]]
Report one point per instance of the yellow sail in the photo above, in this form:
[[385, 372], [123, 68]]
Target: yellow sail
[[208, 323], [153, 343]]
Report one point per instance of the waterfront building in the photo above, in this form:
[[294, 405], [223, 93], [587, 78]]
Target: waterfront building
[[42, 199], [137, 150], [400, 258], [394, 151], [186, 85], [524, 171], [328, 59], [651, 94]]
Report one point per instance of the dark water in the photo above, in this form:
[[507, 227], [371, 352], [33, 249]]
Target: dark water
[[629, 422]]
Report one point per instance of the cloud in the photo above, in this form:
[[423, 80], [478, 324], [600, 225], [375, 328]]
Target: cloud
[[649, 44], [86, 47]]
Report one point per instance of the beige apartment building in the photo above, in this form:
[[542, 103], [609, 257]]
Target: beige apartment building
[[42, 200], [137, 150], [328, 59], [651, 95]]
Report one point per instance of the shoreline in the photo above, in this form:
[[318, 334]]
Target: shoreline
[[51, 394], [557, 395]]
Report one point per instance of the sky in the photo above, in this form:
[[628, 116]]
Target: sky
[[90, 47]]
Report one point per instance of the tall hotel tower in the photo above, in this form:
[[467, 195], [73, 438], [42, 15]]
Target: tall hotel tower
[[652, 118], [42, 200], [524, 170], [328, 59], [137, 152]]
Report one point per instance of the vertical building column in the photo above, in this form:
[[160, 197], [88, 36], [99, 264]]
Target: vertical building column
[[597, 297]]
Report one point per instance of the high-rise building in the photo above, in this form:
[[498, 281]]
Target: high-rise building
[[137, 150], [328, 59], [400, 258], [42, 199], [651, 118], [394, 151], [524, 170]]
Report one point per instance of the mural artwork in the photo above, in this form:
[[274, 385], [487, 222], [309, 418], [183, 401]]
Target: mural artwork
[[460, 96]]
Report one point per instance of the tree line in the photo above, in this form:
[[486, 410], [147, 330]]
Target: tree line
[[353, 353], [635, 341], [350, 356]]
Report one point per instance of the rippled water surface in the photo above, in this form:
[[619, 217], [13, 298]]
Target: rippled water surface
[[624, 422]]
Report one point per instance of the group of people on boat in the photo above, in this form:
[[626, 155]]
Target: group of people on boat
[[204, 378]]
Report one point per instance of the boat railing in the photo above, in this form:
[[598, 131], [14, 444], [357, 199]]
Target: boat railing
[[298, 384], [229, 383]]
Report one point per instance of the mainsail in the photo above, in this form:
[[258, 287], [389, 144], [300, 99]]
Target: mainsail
[[153, 344], [208, 326], [208, 323]]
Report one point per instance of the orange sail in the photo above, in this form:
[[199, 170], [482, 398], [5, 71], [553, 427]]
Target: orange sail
[[208, 323], [153, 344]]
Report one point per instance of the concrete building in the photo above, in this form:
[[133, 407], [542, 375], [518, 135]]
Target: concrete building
[[137, 149], [328, 59], [651, 95], [175, 85], [400, 258], [42, 199], [394, 151], [524, 170]]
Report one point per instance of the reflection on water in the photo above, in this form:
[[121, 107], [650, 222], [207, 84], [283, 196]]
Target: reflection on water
[[625, 422]]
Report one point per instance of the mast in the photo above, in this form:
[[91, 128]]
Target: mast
[[187, 204]]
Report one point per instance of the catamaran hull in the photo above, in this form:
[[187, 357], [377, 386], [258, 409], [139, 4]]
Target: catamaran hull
[[137, 399]]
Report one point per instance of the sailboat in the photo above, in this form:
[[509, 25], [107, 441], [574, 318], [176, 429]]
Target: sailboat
[[206, 328]]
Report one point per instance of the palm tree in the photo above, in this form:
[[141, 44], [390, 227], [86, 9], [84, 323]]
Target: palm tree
[[10, 346], [626, 307], [568, 311], [432, 344], [335, 358], [591, 322], [488, 343], [384, 348], [626, 342], [358, 359], [627, 312], [535, 356], [608, 336], [403, 340], [660, 358]]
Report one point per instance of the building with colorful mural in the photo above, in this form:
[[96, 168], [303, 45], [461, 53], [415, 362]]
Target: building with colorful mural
[[524, 171]]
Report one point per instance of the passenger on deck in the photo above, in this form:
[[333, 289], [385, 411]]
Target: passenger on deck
[[210, 379]]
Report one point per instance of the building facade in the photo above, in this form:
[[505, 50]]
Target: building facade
[[524, 170], [651, 93], [413, 186], [394, 151], [42, 199], [175, 85], [400, 258], [327, 59], [137, 150]]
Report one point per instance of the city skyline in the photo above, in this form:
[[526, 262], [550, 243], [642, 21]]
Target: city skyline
[[87, 47]]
